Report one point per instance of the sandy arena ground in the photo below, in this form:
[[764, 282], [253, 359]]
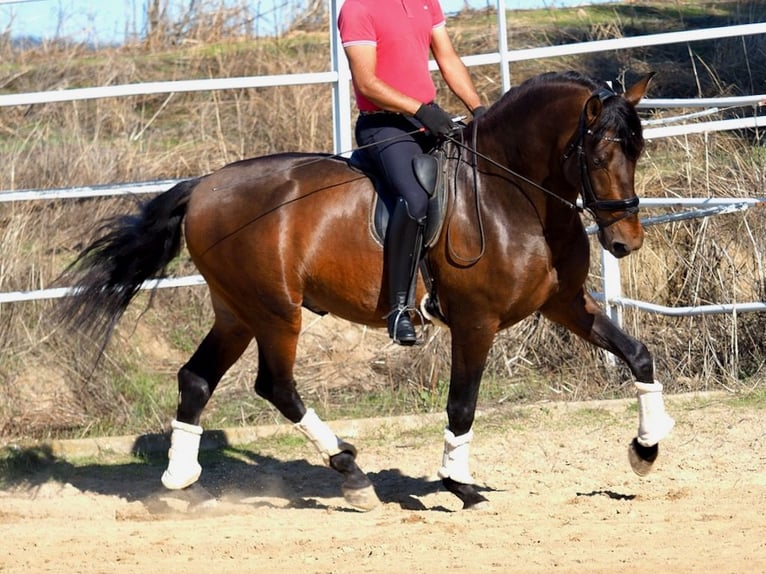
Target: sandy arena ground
[[563, 499]]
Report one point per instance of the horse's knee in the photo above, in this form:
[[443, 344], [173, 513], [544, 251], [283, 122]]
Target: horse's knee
[[460, 419], [194, 393], [642, 363]]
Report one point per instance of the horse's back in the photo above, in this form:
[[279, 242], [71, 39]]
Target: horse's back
[[293, 228]]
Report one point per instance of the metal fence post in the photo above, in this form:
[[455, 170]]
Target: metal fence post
[[612, 282], [502, 41], [341, 89]]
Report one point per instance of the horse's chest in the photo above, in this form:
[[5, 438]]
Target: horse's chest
[[530, 281]]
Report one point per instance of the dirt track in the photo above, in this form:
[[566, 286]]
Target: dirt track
[[562, 496]]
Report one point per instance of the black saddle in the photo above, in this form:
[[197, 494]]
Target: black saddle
[[429, 171]]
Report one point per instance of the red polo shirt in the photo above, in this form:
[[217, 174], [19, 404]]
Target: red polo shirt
[[400, 30]]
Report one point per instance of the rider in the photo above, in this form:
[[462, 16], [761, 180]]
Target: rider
[[387, 44]]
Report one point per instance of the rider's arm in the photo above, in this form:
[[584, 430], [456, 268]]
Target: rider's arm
[[452, 68]]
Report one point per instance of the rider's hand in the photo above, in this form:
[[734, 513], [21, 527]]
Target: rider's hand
[[436, 120], [478, 111]]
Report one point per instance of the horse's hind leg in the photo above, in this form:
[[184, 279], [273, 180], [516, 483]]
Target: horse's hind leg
[[197, 380], [585, 318], [275, 383]]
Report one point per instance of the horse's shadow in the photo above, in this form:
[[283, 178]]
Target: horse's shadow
[[236, 475]]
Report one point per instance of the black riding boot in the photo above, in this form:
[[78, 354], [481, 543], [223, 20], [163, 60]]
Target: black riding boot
[[401, 260]]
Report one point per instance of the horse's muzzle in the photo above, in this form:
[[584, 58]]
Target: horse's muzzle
[[621, 239]]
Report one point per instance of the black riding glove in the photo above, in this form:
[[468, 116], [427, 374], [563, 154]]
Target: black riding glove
[[436, 120], [478, 111]]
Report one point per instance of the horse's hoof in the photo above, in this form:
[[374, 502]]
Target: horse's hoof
[[642, 457], [361, 498], [467, 494], [347, 447], [480, 506]]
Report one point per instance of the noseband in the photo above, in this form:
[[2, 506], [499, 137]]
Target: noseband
[[590, 202]]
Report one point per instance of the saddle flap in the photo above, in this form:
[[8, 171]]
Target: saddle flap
[[426, 168], [429, 171]]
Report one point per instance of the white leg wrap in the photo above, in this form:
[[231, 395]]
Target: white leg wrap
[[654, 423], [183, 468], [455, 459], [320, 435]]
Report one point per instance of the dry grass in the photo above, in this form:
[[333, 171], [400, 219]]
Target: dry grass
[[48, 385]]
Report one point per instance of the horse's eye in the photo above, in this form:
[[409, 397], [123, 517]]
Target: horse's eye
[[598, 161]]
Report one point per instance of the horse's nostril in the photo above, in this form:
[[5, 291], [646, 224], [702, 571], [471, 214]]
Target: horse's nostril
[[620, 249]]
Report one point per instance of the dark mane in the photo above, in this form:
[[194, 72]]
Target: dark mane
[[568, 77], [619, 117], [544, 81]]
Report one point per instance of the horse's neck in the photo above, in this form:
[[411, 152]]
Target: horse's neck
[[532, 145]]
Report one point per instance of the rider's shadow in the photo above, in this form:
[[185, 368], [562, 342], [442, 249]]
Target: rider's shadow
[[236, 475]]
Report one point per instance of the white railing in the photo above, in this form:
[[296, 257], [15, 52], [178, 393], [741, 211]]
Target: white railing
[[339, 79], [611, 278]]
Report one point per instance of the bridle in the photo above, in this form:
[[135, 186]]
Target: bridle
[[591, 203]]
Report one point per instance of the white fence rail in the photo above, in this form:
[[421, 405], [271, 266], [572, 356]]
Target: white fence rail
[[339, 80]]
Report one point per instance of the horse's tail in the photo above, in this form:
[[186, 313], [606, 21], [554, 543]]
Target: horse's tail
[[130, 249]]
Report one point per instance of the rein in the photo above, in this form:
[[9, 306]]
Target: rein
[[509, 171], [468, 261]]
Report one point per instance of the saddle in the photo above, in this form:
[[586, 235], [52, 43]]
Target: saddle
[[429, 170]]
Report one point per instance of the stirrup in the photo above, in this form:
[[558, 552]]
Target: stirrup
[[394, 318]]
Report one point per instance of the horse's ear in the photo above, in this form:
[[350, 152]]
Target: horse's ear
[[638, 90], [593, 108]]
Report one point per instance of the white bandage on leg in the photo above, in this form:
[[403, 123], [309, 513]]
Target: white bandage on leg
[[654, 423], [320, 435], [183, 468], [455, 459]]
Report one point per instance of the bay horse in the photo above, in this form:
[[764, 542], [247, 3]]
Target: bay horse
[[276, 233]]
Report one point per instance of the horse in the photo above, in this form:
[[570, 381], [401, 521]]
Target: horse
[[277, 233]]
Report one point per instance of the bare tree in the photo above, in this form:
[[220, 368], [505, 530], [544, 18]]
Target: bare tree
[[156, 23], [309, 13]]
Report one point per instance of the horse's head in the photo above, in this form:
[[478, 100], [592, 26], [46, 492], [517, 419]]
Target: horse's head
[[601, 160]]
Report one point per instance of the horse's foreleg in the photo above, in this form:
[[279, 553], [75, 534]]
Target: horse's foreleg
[[585, 318], [469, 355], [275, 383], [197, 380]]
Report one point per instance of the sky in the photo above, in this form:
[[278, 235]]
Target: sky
[[108, 21]]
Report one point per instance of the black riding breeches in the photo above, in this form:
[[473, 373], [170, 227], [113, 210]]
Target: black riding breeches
[[389, 142]]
